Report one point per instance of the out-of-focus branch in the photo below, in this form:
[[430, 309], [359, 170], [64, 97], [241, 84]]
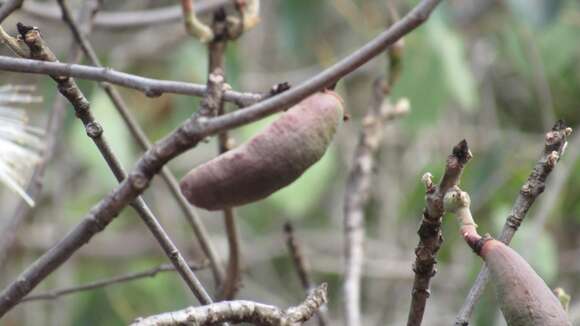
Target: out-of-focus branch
[[129, 19], [142, 140], [357, 193], [68, 88], [359, 181], [429, 232], [8, 7], [149, 86], [555, 143], [152, 272], [239, 312], [299, 261], [187, 136]]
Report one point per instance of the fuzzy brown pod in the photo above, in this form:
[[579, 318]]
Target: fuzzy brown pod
[[524, 297], [269, 161]]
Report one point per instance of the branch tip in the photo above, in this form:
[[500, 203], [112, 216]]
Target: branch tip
[[462, 152]]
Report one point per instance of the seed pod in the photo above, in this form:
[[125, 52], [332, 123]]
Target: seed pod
[[524, 297], [269, 161]]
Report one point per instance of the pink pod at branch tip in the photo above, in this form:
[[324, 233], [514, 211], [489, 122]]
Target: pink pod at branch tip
[[524, 298], [269, 161]]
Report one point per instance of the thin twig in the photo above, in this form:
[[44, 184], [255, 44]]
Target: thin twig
[[216, 58], [555, 143], [300, 265], [241, 311], [53, 128], [128, 19], [68, 88], [430, 233], [152, 272], [192, 218], [188, 135], [359, 182], [149, 86]]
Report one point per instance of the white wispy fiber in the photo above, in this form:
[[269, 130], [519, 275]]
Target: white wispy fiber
[[21, 145]]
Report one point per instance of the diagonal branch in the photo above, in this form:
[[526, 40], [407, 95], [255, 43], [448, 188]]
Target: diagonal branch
[[187, 136], [192, 218], [554, 145], [68, 88], [430, 233], [53, 128], [241, 311]]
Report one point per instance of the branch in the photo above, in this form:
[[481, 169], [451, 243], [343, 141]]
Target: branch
[[54, 294], [300, 265], [358, 190], [128, 19], [68, 88], [216, 58], [187, 136], [555, 143], [34, 189], [191, 216], [8, 8], [150, 87], [239, 312], [429, 232]]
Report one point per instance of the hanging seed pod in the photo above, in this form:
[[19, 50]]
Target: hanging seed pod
[[523, 296], [269, 161]]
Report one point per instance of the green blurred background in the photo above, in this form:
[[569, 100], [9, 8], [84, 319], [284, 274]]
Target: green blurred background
[[497, 73]]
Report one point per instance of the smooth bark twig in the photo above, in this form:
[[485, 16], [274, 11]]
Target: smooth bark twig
[[149, 86]]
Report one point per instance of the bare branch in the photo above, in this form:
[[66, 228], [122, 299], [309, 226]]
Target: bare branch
[[152, 272], [9, 7], [142, 140], [357, 193], [129, 19], [299, 261], [216, 62], [53, 128], [555, 143], [149, 86], [239, 312], [429, 232], [68, 88], [188, 135]]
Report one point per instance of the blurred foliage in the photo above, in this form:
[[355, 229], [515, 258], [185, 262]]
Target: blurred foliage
[[496, 73]]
